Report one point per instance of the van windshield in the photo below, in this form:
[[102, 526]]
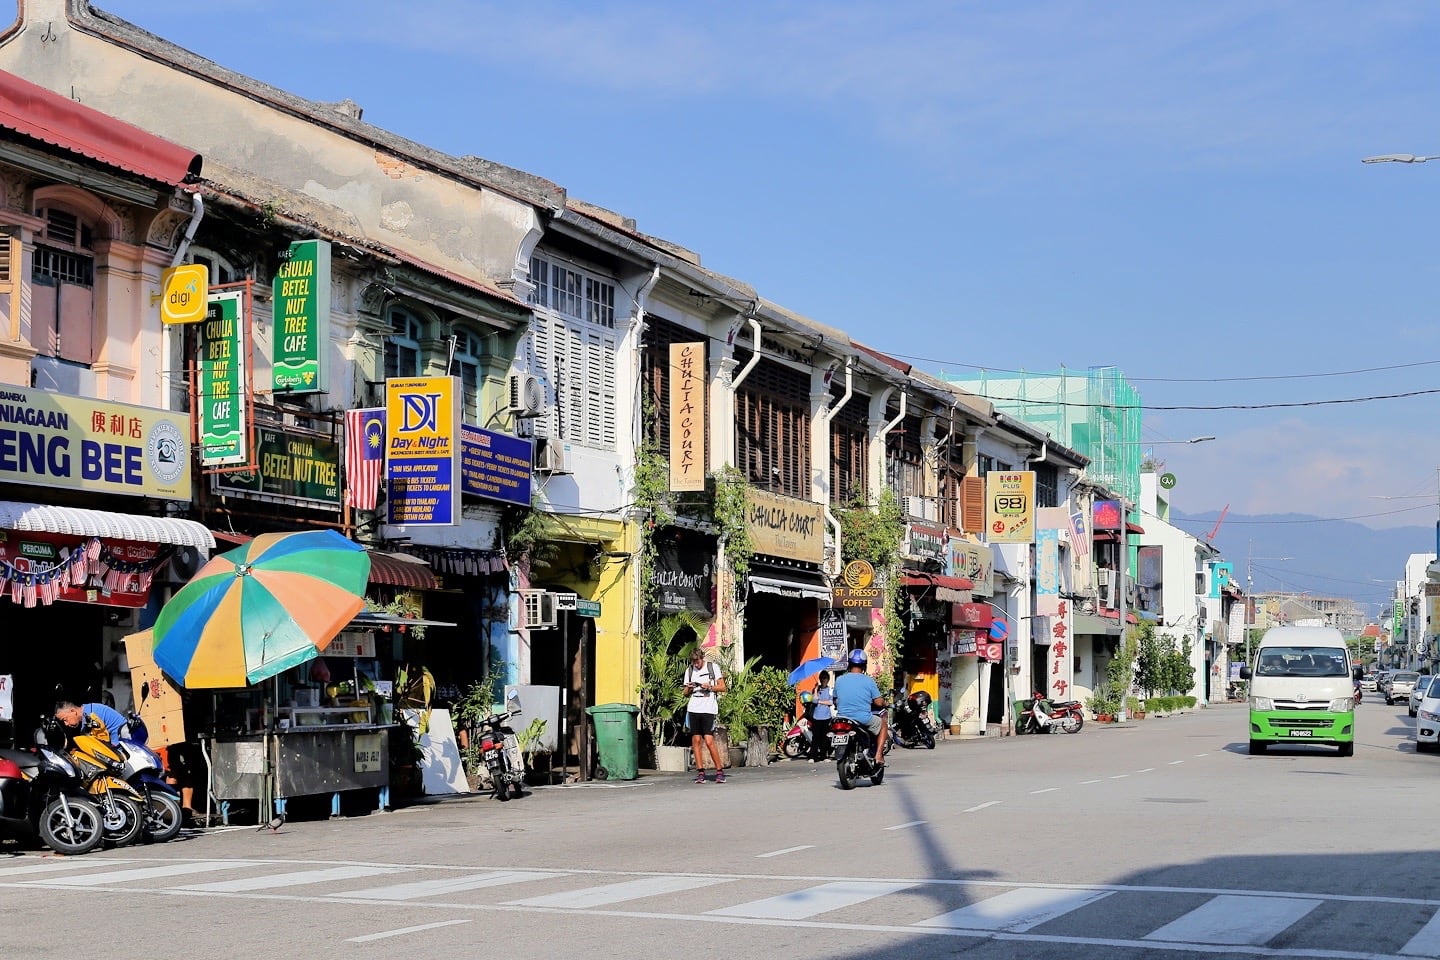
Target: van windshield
[[1301, 662]]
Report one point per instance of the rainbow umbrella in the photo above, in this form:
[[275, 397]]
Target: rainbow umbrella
[[260, 609]]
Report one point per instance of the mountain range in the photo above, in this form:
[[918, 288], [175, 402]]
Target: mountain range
[[1337, 558]]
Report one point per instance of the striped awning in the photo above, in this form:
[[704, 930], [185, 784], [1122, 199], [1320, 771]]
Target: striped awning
[[401, 570], [78, 522]]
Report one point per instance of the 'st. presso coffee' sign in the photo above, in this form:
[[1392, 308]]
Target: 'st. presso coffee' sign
[[785, 527]]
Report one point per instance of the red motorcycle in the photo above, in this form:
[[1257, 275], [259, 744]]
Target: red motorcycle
[[1064, 716]]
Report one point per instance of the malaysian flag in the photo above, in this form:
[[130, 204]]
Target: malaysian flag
[[364, 456]]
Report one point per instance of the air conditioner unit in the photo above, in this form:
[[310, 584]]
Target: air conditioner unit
[[526, 397], [551, 456], [1107, 595], [538, 608], [921, 508], [1104, 576]]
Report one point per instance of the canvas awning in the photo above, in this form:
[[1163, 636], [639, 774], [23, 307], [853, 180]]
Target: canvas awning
[[802, 584], [948, 589], [1091, 625], [79, 522], [401, 570]]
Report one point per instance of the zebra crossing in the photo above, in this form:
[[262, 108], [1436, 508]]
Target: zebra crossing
[[1150, 919]]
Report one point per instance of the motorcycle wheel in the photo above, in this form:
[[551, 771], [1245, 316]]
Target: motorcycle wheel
[[791, 748], [123, 818], [929, 741], [517, 789], [845, 768], [1077, 722], [88, 832], [163, 817]]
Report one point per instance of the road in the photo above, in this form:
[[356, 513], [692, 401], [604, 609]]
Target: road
[[1162, 838]]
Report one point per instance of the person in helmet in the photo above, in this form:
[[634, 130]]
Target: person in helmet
[[858, 697]]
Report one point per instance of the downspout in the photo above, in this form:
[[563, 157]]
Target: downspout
[[885, 431], [197, 213], [754, 357], [1044, 450], [637, 611], [831, 520]]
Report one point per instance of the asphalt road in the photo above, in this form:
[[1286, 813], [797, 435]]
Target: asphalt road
[[1162, 838]]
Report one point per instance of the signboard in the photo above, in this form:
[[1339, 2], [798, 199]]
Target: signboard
[[223, 381], [7, 697], [924, 541], [976, 616], [994, 652], [857, 587], [1059, 660], [973, 561], [686, 380], [367, 752], [832, 633], [1106, 515], [496, 466], [352, 643], [1047, 572], [1150, 580], [47, 564], [785, 527], [422, 450], [681, 576], [301, 333], [294, 468], [587, 608], [1010, 506], [962, 642], [184, 291], [74, 443], [156, 699]]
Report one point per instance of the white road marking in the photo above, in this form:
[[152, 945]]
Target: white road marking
[[1202, 754], [904, 826], [404, 930], [1426, 943], [781, 853], [436, 888], [145, 873], [618, 892], [1173, 762], [1046, 790], [812, 901], [45, 866], [1234, 920], [1083, 782], [1146, 770], [982, 806], [1120, 776], [1016, 911], [297, 879]]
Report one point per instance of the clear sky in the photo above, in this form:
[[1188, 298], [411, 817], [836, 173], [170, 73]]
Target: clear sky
[[1171, 188]]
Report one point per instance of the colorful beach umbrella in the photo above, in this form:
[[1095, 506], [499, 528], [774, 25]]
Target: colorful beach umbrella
[[257, 610]]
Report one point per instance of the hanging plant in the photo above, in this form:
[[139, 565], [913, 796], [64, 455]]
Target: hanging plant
[[874, 534], [529, 535], [657, 510], [728, 499]]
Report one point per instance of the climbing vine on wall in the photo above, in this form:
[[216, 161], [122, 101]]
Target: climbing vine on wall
[[653, 499], [874, 534], [528, 535], [728, 488]]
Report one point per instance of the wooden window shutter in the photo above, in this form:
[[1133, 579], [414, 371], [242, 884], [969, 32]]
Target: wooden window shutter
[[972, 504]]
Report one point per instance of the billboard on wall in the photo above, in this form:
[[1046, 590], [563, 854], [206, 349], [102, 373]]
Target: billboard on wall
[[1010, 506], [301, 324], [223, 381], [687, 416], [1150, 580]]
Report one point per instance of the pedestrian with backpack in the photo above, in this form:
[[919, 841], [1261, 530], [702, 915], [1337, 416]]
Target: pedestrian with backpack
[[703, 685]]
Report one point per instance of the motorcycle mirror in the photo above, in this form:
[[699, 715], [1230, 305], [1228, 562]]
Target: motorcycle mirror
[[512, 700]]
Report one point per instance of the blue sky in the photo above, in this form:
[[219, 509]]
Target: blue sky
[[1174, 189]]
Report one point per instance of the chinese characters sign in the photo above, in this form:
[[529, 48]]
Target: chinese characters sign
[[422, 450], [220, 407], [687, 416], [1059, 660], [1010, 506], [302, 318], [53, 440]]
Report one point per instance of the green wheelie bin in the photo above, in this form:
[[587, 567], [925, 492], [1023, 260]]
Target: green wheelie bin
[[616, 739]]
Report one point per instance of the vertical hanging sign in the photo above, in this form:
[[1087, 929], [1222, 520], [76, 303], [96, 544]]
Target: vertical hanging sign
[[301, 332], [422, 450], [223, 382], [687, 416]]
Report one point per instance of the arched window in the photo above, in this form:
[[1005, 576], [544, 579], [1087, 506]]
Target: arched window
[[469, 351], [402, 347]]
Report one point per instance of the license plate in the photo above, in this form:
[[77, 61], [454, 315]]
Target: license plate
[[840, 739], [1299, 733]]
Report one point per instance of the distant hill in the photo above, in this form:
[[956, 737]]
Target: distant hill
[[1334, 557]]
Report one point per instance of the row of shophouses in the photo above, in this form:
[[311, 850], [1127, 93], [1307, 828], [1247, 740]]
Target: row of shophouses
[[691, 444]]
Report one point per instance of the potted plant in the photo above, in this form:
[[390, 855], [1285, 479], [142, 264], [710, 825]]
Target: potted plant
[[1135, 707], [1103, 703], [661, 694]]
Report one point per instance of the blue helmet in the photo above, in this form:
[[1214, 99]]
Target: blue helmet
[[858, 658], [807, 697]]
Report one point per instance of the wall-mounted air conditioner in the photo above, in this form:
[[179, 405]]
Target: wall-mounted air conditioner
[[526, 396], [538, 609], [551, 456]]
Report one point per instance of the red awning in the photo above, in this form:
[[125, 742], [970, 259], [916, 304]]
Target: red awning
[[1133, 527], [35, 112], [917, 579], [401, 570], [1109, 614]]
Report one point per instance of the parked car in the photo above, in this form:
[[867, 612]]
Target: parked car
[[1367, 683], [1427, 724], [1418, 694], [1399, 684], [1380, 677]]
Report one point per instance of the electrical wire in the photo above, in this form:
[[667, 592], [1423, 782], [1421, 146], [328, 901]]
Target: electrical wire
[[1255, 379], [1229, 521]]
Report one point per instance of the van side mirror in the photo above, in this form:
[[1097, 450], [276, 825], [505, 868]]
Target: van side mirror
[[1245, 673]]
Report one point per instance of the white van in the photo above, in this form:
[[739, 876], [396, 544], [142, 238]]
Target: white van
[[1301, 689]]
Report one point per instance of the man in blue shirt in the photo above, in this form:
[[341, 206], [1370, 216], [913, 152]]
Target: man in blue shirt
[[858, 697], [95, 719]]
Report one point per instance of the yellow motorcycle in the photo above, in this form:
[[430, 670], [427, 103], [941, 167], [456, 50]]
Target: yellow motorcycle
[[122, 807]]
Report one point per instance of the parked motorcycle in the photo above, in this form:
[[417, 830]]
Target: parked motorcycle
[[99, 765], [854, 748], [799, 740], [911, 724], [500, 751], [144, 771], [41, 795], [1066, 716], [1359, 693]]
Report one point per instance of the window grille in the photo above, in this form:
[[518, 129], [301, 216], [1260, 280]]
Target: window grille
[[772, 426], [402, 348], [63, 266]]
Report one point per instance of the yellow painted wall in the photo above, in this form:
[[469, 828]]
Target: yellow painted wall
[[617, 638]]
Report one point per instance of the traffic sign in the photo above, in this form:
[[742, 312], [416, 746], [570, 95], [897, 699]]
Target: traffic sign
[[587, 608]]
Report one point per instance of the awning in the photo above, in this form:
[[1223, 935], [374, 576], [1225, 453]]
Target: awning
[[1108, 614], [380, 620], [800, 584], [41, 114], [948, 589], [77, 522], [1091, 625], [401, 570]]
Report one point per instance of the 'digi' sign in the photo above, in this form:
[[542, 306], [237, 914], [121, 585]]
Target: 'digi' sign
[[184, 293]]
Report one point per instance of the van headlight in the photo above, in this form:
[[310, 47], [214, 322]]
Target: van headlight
[[1262, 704], [1342, 704]]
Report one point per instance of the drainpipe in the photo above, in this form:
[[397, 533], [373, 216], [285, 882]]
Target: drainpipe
[[754, 357], [831, 520], [197, 213], [1044, 450], [885, 431], [637, 611]]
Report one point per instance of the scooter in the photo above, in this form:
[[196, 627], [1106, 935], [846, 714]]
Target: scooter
[[911, 724], [142, 768], [799, 740], [41, 795], [99, 765], [1066, 716], [854, 748], [500, 751]]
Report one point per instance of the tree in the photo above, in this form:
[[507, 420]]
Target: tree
[[1151, 658]]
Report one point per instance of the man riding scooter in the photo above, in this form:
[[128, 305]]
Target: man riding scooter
[[858, 697]]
